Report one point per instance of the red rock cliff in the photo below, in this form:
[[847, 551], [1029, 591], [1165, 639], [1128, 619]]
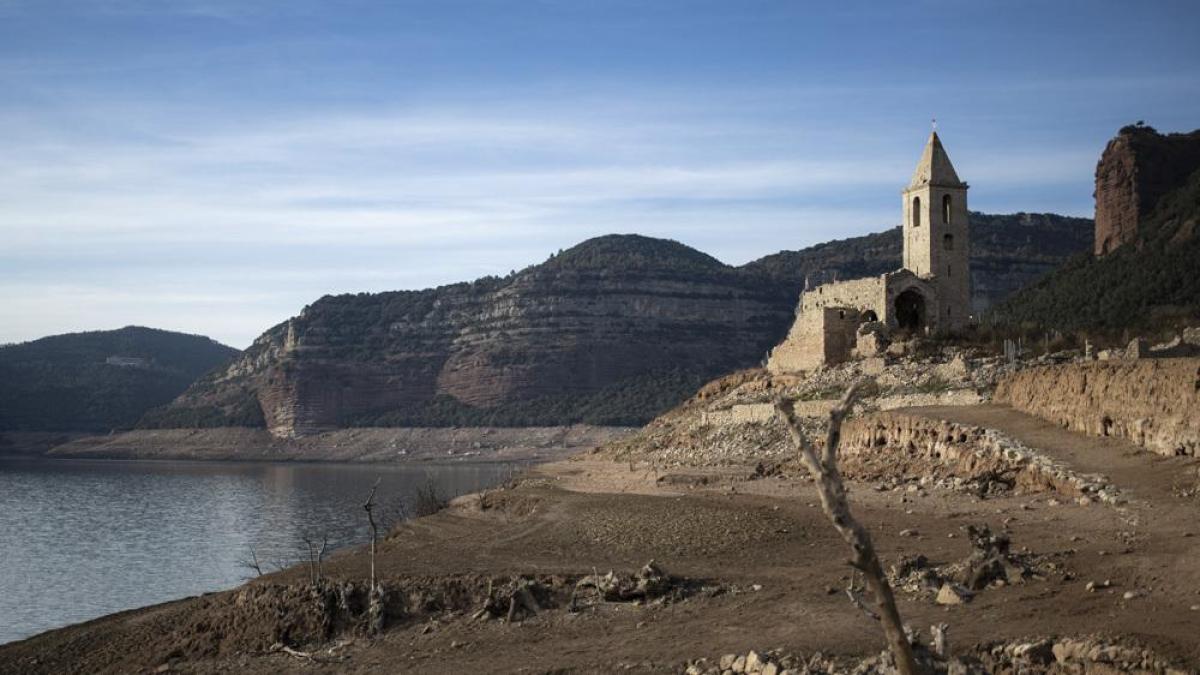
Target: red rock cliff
[[1138, 167]]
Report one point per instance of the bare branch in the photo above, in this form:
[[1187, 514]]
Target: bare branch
[[854, 592], [369, 507], [835, 504], [251, 563]]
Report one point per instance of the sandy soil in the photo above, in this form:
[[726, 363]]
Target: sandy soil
[[764, 565]]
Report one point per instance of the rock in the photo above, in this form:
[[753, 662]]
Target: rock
[[1130, 595], [1040, 653], [727, 660], [770, 669], [739, 664], [949, 595], [908, 533], [754, 663]]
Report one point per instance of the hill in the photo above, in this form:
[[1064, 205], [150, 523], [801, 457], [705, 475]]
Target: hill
[[610, 332], [1144, 277], [100, 380], [1150, 284], [1008, 252]]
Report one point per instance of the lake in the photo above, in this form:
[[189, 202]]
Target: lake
[[84, 538]]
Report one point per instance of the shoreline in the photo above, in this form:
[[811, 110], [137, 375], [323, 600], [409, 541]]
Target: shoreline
[[366, 445], [759, 545]]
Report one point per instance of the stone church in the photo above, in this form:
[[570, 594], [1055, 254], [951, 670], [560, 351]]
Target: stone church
[[929, 295]]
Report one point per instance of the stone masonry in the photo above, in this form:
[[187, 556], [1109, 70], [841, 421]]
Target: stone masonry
[[931, 294]]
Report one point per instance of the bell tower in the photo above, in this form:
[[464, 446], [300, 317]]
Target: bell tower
[[936, 233]]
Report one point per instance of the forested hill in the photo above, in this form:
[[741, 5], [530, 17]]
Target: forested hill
[[1149, 284], [100, 380]]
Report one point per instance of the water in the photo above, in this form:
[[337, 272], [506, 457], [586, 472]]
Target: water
[[84, 538]]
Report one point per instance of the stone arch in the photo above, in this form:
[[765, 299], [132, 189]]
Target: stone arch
[[916, 212], [910, 307], [869, 316], [946, 204]]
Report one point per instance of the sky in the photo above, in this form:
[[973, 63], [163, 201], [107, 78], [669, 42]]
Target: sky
[[212, 166]]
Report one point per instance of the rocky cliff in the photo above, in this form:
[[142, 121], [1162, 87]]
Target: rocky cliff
[[610, 332], [1152, 283], [1152, 402], [1137, 169]]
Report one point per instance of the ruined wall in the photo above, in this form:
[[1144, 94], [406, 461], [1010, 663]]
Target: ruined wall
[[819, 337], [861, 294], [1154, 403], [1137, 168]]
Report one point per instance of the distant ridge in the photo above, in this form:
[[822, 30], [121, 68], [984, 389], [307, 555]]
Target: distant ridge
[[612, 331], [99, 380]]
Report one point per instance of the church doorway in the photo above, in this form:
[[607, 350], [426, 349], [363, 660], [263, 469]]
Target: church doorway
[[910, 310]]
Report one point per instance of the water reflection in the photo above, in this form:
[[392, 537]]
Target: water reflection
[[79, 539]]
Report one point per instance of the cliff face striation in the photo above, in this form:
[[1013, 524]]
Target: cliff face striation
[[610, 332], [1137, 169]]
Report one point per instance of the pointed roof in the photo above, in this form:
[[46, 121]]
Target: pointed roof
[[935, 167]]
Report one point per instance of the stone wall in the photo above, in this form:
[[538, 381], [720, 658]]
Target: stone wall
[[1137, 168], [1154, 403], [819, 337], [891, 445], [863, 294]]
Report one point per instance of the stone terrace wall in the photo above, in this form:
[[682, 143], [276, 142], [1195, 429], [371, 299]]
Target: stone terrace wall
[[1152, 402], [889, 445]]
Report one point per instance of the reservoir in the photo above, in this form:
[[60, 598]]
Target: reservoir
[[83, 538]]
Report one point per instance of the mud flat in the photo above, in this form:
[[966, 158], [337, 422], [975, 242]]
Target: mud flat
[[346, 445], [743, 560]]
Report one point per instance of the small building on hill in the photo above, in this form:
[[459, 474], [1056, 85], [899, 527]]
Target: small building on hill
[[929, 295]]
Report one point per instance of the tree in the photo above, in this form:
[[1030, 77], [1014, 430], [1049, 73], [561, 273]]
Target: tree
[[834, 502]]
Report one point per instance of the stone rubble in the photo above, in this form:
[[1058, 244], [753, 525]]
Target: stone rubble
[[1048, 655]]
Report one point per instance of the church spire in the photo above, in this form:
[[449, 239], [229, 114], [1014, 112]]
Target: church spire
[[935, 167]]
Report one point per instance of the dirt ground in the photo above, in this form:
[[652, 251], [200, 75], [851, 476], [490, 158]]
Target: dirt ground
[[762, 566]]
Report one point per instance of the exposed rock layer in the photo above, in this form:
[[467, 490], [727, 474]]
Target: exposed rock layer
[[611, 332], [1154, 403], [1138, 167]]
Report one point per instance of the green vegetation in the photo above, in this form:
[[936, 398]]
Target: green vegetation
[[63, 383], [631, 402], [997, 243], [1146, 286]]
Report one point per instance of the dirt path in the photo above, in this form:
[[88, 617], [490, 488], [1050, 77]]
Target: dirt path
[[1143, 474]]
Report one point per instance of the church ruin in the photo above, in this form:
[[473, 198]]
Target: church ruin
[[929, 295]]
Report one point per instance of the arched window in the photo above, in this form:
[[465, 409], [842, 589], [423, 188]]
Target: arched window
[[945, 209], [948, 242], [916, 212]]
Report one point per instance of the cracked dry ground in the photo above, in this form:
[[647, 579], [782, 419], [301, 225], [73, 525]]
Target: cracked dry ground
[[770, 566]]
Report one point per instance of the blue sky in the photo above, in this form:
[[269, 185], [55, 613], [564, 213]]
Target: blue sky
[[212, 166]]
